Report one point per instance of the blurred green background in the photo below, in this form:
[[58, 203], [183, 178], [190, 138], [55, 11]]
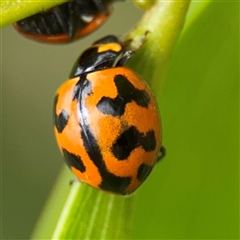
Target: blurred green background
[[193, 193]]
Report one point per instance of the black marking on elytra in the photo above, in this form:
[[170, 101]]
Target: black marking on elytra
[[143, 171], [73, 160], [86, 85], [110, 182], [126, 93], [76, 90], [131, 139], [115, 183], [55, 101], [114, 107], [60, 120]]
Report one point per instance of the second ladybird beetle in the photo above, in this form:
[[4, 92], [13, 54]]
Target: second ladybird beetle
[[66, 22], [106, 120]]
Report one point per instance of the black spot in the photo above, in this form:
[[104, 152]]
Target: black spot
[[126, 142], [55, 101], [61, 120], [131, 139], [143, 171], [115, 184], [110, 182], [73, 160], [126, 93], [114, 107], [148, 142]]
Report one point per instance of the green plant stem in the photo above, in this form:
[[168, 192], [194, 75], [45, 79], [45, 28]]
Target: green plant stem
[[163, 23], [88, 214], [13, 10]]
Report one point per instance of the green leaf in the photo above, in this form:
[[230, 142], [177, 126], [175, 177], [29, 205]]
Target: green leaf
[[194, 191], [14, 10]]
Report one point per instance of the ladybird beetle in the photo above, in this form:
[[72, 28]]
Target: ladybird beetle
[[106, 120], [66, 22]]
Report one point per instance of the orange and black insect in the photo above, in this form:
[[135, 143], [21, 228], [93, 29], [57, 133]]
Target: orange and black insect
[[107, 122], [66, 22]]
